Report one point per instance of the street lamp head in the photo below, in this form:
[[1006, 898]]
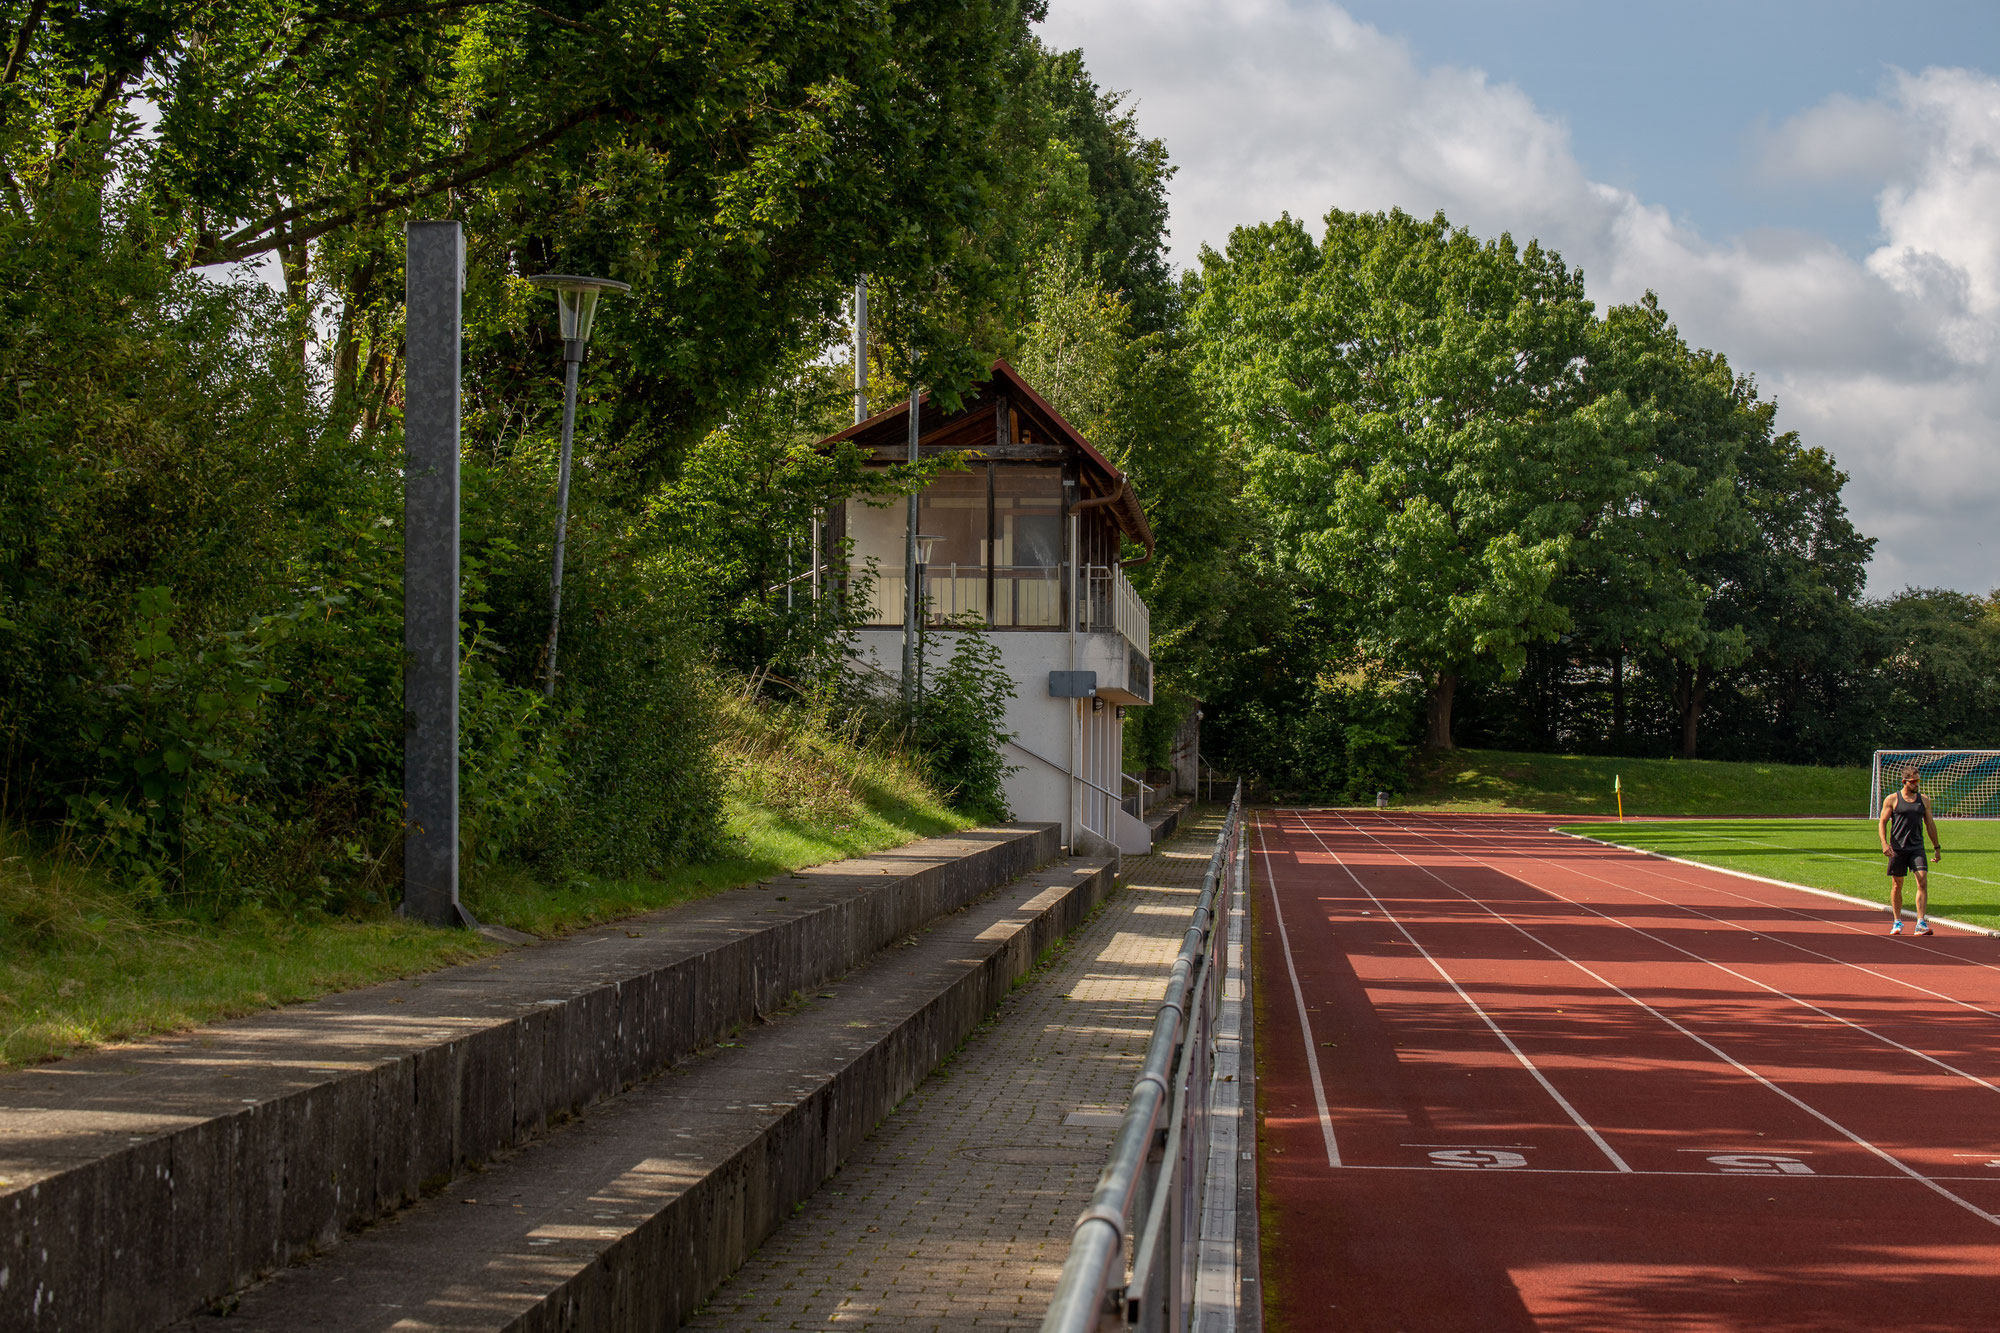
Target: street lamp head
[[576, 300], [925, 543]]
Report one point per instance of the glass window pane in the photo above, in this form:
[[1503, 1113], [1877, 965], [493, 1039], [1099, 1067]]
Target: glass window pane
[[953, 510], [1028, 547], [877, 535]]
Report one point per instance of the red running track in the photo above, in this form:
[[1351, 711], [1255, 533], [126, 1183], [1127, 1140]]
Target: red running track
[[1512, 1080]]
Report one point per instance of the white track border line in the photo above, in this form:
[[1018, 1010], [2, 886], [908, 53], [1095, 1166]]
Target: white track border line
[[1798, 1000], [1298, 993], [1965, 926], [1776, 937], [1817, 1114], [1610, 1153]]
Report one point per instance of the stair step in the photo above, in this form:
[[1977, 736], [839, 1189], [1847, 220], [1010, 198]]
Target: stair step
[[142, 1183], [631, 1216]]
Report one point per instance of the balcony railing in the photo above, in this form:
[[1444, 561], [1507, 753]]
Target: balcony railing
[[1108, 602], [1023, 597]]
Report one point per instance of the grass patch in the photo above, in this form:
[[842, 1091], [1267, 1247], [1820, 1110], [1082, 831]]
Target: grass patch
[[1566, 784], [1839, 854], [80, 966]]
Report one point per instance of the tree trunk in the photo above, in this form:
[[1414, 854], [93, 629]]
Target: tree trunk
[[347, 346], [1618, 697], [1690, 689], [295, 261], [1437, 728]]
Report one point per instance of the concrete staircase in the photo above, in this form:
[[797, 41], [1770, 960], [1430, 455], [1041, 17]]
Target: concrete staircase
[[510, 1119]]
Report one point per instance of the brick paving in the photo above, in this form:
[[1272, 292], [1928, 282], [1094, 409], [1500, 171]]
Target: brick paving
[[956, 1213]]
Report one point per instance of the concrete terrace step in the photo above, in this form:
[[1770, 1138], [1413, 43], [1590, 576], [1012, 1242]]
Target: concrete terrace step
[[1165, 818], [143, 1183], [632, 1216]]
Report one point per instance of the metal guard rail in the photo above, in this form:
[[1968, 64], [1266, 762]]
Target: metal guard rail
[[1152, 1172]]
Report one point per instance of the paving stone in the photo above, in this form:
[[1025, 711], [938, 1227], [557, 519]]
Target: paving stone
[[965, 1231]]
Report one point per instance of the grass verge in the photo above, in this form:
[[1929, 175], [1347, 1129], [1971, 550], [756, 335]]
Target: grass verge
[[1839, 854], [1565, 784], [80, 966]]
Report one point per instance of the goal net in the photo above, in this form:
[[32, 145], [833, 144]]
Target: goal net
[[1959, 783]]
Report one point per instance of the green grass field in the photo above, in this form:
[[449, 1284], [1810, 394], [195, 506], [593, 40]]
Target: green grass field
[[1839, 854], [1562, 784]]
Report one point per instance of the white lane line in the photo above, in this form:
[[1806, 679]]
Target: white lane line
[[1648, 854], [1699, 1040], [1708, 835], [1760, 932], [1610, 1153], [1645, 1171], [1720, 967], [1298, 994]]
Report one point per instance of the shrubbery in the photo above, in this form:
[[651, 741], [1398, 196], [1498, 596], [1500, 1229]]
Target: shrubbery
[[1343, 741]]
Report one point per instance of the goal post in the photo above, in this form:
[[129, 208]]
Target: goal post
[[1961, 784]]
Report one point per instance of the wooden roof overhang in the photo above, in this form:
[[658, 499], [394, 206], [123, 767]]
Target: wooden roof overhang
[[984, 427]]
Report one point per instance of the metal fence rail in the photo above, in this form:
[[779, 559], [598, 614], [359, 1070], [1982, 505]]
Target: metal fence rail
[[1158, 1166]]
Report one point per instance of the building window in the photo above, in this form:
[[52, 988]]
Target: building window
[[1027, 548], [998, 554], [876, 560], [953, 509]]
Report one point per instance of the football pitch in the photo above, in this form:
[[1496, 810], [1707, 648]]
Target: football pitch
[[1839, 854]]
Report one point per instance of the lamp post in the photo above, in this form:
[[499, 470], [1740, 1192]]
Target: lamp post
[[925, 543], [576, 306]]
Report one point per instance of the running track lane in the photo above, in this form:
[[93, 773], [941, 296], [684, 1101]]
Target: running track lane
[[1570, 1088]]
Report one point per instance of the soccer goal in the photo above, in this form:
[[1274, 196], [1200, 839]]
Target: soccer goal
[[1961, 784]]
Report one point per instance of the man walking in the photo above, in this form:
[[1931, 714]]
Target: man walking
[[1906, 815]]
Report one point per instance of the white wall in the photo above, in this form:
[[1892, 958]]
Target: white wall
[[1051, 728]]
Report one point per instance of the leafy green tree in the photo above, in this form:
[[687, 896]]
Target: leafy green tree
[[1792, 592], [1936, 677], [1121, 239], [1136, 397], [1419, 430], [1636, 584]]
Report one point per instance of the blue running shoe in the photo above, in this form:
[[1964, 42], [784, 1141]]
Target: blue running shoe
[[1896, 926]]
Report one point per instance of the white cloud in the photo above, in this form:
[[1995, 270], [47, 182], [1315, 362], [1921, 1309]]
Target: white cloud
[[1841, 141], [1888, 360]]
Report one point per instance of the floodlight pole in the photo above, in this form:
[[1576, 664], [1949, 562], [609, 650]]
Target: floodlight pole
[[860, 350], [434, 278], [910, 645]]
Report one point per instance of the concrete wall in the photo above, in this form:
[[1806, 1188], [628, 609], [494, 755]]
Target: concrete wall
[[1055, 730], [137, 1187]]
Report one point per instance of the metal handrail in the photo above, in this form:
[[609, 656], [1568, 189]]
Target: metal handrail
[[1145, 789], [1094, 1282], [1060, 769]]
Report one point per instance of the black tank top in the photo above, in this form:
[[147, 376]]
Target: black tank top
[[1906, 822]]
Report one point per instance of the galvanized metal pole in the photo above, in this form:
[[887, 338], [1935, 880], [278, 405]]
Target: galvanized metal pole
[[573, 349], [910, 574], [434, 286], [860, 350]]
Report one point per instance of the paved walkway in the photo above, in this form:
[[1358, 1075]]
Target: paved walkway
[[956, 1213]]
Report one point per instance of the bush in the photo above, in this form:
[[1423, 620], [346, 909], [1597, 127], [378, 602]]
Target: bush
[[1343, 741], [958, 727]]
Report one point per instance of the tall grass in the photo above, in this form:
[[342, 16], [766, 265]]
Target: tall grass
[[81, 964]]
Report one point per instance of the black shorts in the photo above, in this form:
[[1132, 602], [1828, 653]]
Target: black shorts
[[1902, 860]]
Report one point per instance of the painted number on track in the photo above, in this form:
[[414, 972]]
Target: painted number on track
[[1756, 1164], [1476, 1158]]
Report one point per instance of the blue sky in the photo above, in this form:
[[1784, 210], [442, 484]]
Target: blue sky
[[1666, 100], [1812, 189]]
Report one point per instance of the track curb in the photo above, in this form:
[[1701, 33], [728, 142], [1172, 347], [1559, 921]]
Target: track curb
[[1965, 926]]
